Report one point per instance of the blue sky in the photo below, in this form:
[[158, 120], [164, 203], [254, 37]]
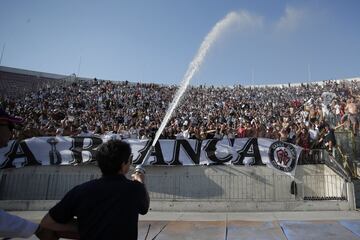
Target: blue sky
[[154, 41]]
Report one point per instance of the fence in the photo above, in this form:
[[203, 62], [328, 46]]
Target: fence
[[324, 187], [257, 184], [221, 188], [350, 145]]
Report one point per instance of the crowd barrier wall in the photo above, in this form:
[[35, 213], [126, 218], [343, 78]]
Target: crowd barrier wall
[[350, 145], [191, 188]]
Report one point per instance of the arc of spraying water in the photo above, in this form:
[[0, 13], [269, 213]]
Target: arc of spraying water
[[194, 66]]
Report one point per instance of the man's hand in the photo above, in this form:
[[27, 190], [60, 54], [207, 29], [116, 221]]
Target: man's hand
[[137, 176], [45, 234]]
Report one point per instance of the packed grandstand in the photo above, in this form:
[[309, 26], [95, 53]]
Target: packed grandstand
[[55, 105]]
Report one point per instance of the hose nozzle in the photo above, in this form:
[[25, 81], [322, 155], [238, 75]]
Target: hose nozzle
[[140, 168]]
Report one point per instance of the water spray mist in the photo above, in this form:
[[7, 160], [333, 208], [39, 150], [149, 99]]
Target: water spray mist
[[194, 66]]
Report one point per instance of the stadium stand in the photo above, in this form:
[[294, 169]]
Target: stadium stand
[[58, 104], [61, 105]]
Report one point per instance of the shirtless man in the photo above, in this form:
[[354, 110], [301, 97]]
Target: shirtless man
[[352, 111]]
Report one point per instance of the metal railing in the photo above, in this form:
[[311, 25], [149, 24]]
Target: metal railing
[[320, 187], [221, 188], [39, 186], [241, 187]]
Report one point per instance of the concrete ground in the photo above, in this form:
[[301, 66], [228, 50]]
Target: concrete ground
[[245, 225]]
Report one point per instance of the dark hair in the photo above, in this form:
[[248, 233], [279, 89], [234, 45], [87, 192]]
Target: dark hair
[[111, 155]]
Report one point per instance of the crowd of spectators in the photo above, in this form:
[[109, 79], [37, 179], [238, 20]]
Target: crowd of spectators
[[293, 113]]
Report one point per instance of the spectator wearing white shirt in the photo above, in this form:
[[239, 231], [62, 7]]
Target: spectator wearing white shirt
[[313, 133]]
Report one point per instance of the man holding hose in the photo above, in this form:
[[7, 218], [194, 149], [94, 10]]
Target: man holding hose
[[105, 208]]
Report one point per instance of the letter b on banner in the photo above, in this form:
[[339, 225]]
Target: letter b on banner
[[84, 148]]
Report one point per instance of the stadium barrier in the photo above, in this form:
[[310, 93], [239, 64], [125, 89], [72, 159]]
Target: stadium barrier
[[348, 150], [191, 188]]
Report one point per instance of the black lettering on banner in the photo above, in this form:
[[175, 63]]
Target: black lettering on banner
[[194, 155], [78, 147], [159, 157], [5, 152], [210, 150], [231, 142], [250, 149], [157, 153], [18, 153], [142, 153], [54, 154], [19, 150]]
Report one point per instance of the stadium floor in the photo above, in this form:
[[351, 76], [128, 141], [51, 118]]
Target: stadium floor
[[246, 225]]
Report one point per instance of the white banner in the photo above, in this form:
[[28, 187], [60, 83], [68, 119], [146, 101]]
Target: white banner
[[81, 150]]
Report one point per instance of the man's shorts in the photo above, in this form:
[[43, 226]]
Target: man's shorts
[[353, 118]]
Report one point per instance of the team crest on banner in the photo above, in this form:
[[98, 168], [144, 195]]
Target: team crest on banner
[[283, 156]]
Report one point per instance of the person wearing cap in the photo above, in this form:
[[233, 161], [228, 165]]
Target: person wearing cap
[[108, 207]]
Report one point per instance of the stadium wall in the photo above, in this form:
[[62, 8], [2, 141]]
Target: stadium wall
[[191, 188], [61, 76]]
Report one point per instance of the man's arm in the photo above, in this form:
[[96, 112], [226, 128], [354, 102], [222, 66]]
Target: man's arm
[[143, 197], [67, 230], [60, 218], [145, 202], [14, 226]]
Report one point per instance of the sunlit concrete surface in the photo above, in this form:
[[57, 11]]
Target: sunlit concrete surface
[[331, 230], [230, 226]]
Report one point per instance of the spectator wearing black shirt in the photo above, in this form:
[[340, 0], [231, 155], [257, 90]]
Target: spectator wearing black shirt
[[105, 208], [329, 140]]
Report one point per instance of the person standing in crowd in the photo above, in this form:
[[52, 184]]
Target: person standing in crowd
[[105, 208], [12, 226], [313, 134], [328, 140], [303, 137], [241, 131], [352, 114]]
